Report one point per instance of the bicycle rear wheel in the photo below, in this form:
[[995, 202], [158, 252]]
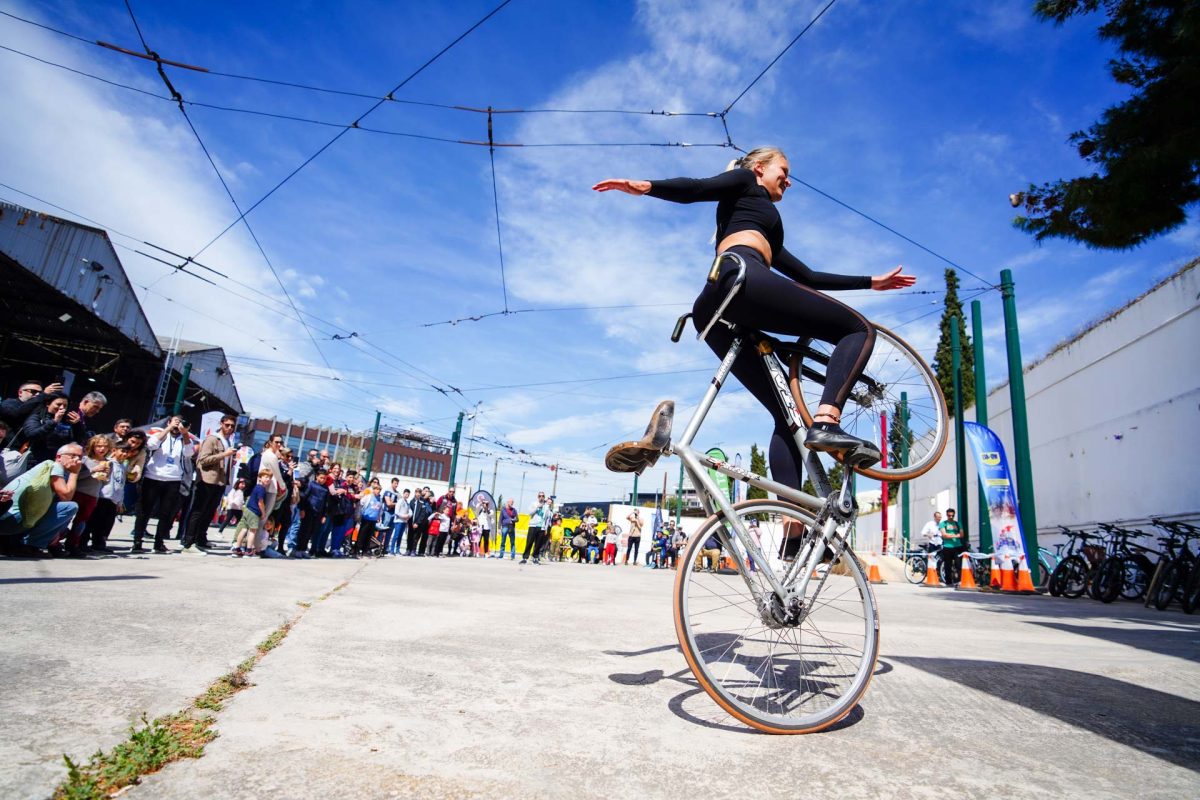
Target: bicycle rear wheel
[[893, 368], [775, 672], [914, 569]]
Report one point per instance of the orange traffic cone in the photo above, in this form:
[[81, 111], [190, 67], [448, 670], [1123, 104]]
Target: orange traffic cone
[[931, 577], [995, 581], [1008, 578], [1024, 579], [873, 574], [966, 581]]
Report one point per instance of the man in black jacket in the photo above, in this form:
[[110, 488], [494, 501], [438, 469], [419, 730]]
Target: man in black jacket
[[29, 399]]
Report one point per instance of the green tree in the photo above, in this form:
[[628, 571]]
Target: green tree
[[943, 360], [836, 474], [758, 465], [1145, 152]]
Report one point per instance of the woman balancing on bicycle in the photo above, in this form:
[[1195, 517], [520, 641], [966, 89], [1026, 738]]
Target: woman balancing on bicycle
[[786, 301]]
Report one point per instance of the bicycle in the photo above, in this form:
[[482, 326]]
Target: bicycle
[[1126, 571], [783, 647], [1070, 576], [1177, 567]]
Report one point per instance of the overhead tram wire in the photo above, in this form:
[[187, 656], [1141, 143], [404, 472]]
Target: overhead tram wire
[[384, 132], [356, 123], [158, 63], [367, 95], [767, 68], [496, 207]]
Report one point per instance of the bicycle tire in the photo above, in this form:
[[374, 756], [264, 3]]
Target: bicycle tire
[[893, 367], [914, 569], [785, 679], [1044, 572], [1093, 579], [1108, 581], [1190, 599], [1167, 585], [1136, 571], [1074, 580]]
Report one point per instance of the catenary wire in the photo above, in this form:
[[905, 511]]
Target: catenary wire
[[766, 69], [342, 132]]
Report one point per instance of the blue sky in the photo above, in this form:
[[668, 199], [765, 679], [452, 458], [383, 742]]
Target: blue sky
[[924, 115]]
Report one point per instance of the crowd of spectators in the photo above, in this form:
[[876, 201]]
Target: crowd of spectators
[[63, 486]]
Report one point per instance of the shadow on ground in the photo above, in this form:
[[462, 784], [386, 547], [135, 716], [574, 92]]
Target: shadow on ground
[[1159, 724], [1167, 640], [83, 579]]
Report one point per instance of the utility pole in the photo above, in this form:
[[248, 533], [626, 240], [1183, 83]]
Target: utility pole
[[183, 382], [905, 533], [455, 439], [883, 485], [981, 416], [679, 496], [960, 446], [634, 500], [374, 441], [495, 467], [471, 442], [1020, 419]]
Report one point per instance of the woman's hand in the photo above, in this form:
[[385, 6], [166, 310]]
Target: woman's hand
[[892, 280], [636, 188]]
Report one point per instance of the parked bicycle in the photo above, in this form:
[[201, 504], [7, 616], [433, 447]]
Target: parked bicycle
[[786, 648], [1070, 576], [1174, 577], [1126, 571]]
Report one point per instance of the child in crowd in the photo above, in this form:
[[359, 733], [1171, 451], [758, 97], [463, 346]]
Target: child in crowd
[[556, 537], [435, 534], [252, 514]]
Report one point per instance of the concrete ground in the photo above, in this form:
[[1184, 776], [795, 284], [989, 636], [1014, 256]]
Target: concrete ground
[[471, 678]]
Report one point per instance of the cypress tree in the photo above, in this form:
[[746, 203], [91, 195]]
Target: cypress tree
[[943, 360], [758, 465]]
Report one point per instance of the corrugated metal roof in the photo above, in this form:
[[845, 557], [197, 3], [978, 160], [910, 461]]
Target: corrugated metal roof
[[66, 255], [210, 370]]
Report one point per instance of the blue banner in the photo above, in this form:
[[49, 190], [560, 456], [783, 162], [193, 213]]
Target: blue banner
[[997, 484]]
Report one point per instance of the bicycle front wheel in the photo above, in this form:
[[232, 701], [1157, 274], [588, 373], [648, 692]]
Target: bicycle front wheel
[[894, 369], [795, 671]]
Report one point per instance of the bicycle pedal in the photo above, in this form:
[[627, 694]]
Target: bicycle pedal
[[862, 457]]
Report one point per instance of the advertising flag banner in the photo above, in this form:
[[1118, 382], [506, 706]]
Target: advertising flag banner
[[739, 489], [480, 501], [721, 479], [996, 481]]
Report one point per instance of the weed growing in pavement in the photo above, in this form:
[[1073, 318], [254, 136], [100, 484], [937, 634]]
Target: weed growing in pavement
[[147, 750], [170, 738]]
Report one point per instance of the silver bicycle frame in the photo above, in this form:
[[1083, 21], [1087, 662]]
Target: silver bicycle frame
[[714, 500]]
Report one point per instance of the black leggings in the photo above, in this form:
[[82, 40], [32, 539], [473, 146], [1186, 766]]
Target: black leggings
[[774, 304], [632, 545]]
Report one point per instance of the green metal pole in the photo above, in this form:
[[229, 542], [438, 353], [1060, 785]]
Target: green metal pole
[[455, 439], [183, 381], [960, 450], [905, 535], [374, 441], [1020, 421], [633, 500], [981, 416], [679, 496]]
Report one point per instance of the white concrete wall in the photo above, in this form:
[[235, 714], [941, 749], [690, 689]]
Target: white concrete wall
[[1114, 421]]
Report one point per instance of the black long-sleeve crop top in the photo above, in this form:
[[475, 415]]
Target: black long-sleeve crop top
[[744, 205]]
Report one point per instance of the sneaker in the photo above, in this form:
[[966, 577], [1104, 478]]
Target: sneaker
[[826, 437], [535, 561], [161, 549], [191, 550], [524, 561], [137, 548]]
